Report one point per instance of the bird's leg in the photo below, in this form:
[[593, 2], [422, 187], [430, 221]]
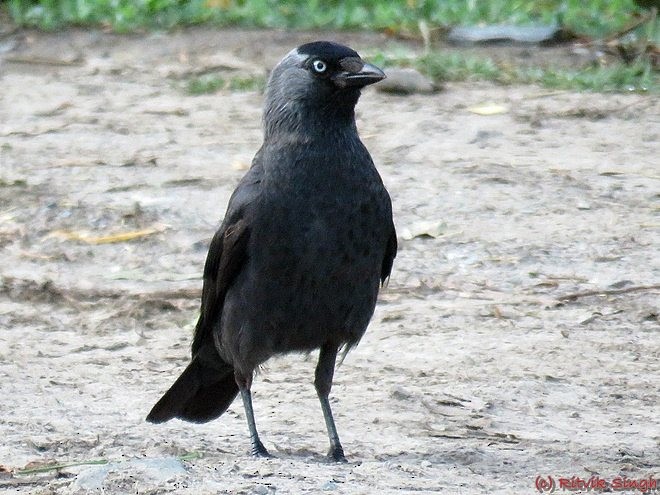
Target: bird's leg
[[244, 384], [325, 370]]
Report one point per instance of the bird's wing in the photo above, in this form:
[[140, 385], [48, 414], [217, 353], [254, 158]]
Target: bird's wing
[[226, 256], [388, 259]]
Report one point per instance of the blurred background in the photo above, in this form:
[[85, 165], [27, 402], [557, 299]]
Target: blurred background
[[517, 339], [616, 41]]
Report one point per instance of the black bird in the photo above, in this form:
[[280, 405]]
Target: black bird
[[305, 244]]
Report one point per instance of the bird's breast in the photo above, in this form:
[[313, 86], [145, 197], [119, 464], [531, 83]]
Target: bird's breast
[[315, 261]]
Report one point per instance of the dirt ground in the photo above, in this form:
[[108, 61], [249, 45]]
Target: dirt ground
[[518, 336]]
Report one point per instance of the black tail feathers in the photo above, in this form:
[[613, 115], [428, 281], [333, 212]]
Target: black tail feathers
[[203, 392]]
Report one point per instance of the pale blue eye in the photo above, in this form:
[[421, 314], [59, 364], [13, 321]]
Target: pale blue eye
[[319, 66]]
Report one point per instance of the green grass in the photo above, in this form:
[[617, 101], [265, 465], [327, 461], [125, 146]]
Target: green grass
[[210, 83], [590, 17], [638, 76], [455, 66]]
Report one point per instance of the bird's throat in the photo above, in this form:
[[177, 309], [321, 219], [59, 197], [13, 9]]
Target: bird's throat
[[303, 119]]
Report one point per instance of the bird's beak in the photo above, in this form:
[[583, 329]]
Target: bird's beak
[[368, 74]]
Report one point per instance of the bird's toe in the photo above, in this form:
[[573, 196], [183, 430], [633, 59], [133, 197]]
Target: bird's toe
[[337, 455], [258, 450]]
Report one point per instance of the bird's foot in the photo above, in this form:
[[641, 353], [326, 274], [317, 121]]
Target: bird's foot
[[258, 450], [336, 454]]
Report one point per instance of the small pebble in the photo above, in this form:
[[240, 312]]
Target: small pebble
[[405, 82], [260, 490], [329, 485]]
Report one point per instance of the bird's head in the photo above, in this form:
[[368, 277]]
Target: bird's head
[[317, 84]]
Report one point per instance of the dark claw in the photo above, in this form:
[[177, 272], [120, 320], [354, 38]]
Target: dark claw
[[258, 450], [337, 455]]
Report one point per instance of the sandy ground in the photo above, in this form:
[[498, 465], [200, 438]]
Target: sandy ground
[[478, 373]]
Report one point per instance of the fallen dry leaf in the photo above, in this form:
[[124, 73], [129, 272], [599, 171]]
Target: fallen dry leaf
[[70, 235], [488, 109], [424, 228], [240, 165]]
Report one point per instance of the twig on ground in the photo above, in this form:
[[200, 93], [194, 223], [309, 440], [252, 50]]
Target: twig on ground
[[606, 292], [650, 16], [190, 456], [48, 291]]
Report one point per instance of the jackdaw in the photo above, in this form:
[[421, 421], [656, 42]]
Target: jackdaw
[[306, 243]]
